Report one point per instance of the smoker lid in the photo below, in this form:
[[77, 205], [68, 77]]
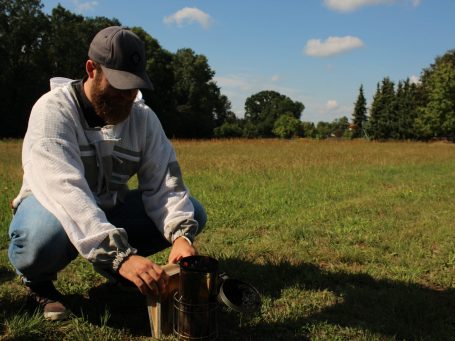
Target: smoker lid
[[202, 264], [239, 296]]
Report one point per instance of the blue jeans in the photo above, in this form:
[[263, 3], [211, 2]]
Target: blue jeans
[[40, 247]]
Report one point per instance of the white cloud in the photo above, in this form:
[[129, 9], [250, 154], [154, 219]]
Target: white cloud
[[234, 81], [86, 6], [317, 109], [331, 46], [352, 5], [239, 87], [331, 104], [276, 78], [188, 15]]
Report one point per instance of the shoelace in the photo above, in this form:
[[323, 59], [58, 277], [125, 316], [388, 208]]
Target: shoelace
[[39, 299], [43, 299]]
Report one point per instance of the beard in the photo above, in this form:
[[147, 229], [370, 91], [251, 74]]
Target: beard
[[112, 109]]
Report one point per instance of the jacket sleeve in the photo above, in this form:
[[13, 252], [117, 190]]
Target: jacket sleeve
[[55, 175], [166, 198]]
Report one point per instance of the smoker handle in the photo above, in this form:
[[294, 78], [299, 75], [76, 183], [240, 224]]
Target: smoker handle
[[154, 311], [154, 304]]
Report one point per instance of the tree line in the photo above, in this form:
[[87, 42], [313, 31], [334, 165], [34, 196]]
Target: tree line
[[35, 47], [422, 110]]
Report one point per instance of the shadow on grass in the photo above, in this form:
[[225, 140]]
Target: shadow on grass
[[390, 308], [401, 311], [6, 274], [126, 307]]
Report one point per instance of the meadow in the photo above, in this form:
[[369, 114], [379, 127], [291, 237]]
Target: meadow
[[345, 240]]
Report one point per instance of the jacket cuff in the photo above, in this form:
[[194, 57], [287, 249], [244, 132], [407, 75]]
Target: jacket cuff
[[187, 229], [120, 258], [111, 252]]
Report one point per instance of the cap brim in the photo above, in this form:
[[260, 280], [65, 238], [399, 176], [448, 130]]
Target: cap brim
[[124, 80]]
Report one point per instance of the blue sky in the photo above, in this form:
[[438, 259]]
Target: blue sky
[[318, 52]]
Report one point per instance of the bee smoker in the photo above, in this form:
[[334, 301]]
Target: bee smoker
[[195, 304], [190, 306]]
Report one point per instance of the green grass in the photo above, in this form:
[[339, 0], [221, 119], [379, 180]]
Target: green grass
[[344, 240]]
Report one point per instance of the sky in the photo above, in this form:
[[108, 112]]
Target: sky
[[318, 52]]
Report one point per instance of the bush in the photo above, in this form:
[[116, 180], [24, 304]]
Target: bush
[[228, 130], [308, 129], [287, 126]]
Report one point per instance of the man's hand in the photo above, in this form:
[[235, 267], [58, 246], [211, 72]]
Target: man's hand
[[145, 274], [181, 248]]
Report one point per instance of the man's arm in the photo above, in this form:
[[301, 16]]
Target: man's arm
[[166, 198]]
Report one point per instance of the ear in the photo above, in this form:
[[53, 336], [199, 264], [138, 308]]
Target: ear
[[90, 68]]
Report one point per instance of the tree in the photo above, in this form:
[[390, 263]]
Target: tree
[[383, 121], [264, 108], [230, 126], [35, 47], [437, 117], [198, 98], [406, 106], [23, 31], [309, 129], [323, 130], [359, 115], [287, 126], [446, 58], [223, 113], [250, 130], [69, 40], [68, 46], [339, 126], [160, 70]]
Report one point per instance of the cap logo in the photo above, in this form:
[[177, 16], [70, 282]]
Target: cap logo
[[135, 58]]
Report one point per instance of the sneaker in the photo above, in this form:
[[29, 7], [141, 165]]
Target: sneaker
[[45, 295]]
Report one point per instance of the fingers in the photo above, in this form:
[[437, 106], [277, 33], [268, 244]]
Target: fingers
[[146, 275], [174, 257], [143, 288], [180, 249], [151, 285], [154, 279]]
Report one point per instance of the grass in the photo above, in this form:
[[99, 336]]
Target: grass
[[345, 241]]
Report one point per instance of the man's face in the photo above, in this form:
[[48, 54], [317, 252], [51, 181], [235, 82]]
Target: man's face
[[111, 104]]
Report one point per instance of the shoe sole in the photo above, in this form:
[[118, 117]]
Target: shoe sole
[[56, 316]]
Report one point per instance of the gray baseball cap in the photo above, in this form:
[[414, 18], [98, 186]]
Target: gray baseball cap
[[121, 54]]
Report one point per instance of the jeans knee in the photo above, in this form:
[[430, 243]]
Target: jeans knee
[[43, 260], [22, 261], [39, 243], [200, 214], [202, 220]]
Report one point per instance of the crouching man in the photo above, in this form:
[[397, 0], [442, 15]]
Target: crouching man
[[84, 141]]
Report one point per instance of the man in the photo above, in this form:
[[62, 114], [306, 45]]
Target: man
[[83, 143]]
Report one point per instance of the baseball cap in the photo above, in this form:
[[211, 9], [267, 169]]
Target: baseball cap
[[121, 54]]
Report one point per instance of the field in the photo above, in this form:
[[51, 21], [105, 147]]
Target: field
[[345, 240]]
